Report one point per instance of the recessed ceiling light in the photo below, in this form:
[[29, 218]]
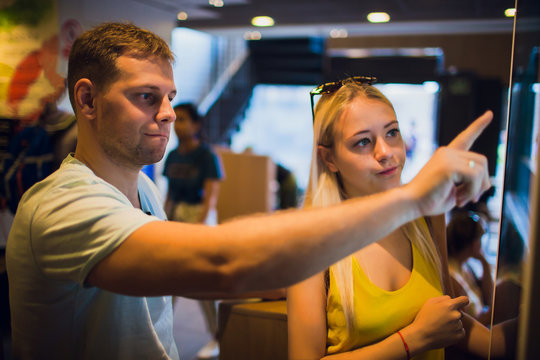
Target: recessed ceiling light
[[262, 21], [338, 33], [511, 12], [216, 3], [182, 15], [378, 17], [252, 35]]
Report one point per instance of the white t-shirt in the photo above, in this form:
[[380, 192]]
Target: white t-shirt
[[64, 226]]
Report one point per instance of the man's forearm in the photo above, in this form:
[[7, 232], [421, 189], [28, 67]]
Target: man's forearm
[[289, 247], [252, 253]]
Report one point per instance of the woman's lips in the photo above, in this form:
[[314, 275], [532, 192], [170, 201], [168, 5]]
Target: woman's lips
[[388, 171]]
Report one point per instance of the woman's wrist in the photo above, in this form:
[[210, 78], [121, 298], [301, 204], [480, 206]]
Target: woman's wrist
[[405, 345], [415, 341]]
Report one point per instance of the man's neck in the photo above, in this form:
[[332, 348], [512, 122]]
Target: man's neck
[[122, 177]]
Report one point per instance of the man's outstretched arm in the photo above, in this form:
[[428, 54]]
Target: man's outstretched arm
[[277, 250]]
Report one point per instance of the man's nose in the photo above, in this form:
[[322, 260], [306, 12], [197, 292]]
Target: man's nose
[[166, 111]]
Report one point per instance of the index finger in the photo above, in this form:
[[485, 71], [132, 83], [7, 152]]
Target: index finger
[[466, 138]]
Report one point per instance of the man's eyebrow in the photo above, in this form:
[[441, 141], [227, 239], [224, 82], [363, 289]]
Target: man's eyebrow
[[153, 87]]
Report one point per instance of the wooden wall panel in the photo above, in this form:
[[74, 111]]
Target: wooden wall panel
[[248, 185]]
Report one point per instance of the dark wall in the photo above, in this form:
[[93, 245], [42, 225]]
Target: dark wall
[[297, 61], [464, 97], [486, 55], [387, 69]]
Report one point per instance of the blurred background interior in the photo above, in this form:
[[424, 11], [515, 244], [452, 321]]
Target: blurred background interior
[[441, 63]]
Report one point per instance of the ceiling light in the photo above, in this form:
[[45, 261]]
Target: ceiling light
[[262, 21], [182, 15], [216, 3], [511, 12], [378, 17], [252, 35], [338, 33]]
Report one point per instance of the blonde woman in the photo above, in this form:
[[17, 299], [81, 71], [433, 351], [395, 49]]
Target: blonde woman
[[386, 301]]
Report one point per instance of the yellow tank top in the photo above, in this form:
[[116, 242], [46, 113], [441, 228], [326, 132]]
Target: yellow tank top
[[380, 313]]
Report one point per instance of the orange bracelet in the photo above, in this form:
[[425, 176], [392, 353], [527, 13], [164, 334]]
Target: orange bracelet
[[405, 345]]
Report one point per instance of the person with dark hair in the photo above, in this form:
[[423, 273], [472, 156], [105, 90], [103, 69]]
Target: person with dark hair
[[194, 173], [464, 240], [91, 259], [193, 170]]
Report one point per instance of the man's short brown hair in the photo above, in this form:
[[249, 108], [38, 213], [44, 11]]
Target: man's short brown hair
[[94, 53]]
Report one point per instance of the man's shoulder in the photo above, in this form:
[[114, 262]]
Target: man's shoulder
[[69, 182], [70, 174]]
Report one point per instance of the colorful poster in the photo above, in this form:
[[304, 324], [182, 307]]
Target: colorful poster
[[29, 54]]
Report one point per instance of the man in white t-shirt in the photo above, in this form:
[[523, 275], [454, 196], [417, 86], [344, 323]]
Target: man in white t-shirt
[[90, 259]]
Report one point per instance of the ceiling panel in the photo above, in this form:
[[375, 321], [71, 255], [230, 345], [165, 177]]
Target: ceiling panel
[[237, 13]]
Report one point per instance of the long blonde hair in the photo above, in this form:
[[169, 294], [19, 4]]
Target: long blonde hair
[[325, 188]]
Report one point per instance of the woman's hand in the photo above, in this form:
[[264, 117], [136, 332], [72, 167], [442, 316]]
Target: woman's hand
[[437, 324]]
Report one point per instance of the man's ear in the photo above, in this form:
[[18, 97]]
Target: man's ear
[[327, 156], [85, 91]]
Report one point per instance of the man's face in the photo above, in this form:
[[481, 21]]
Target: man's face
[[134, 113]]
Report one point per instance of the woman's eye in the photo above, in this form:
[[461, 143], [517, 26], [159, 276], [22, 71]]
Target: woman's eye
[[393, 133], [363, 142]]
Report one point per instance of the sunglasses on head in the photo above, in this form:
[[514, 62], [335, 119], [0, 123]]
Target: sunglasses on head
[[334, 86]]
